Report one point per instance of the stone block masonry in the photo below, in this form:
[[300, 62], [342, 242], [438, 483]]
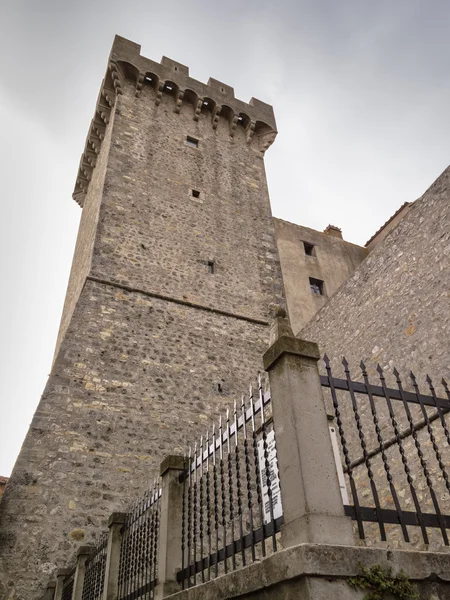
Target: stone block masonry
[[165, 320]]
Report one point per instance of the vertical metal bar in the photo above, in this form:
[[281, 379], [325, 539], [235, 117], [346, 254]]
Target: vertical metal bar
[[440, 413], [208, 505], [403, 455], [257, 473], [155, 557], [222, 485], [364, 450], [195, 514], [384, 458], [183, 522], [230, 492], [345, 451], [248, 477], [430, 432], [189, 544], [146, 532], [238, 483], [267, 463], [216, 501], [201, 507], [423, 463]]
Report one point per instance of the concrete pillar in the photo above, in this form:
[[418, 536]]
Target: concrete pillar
[[78, 582], [312, 504], [111, 586], [60, 576], [169, 547]]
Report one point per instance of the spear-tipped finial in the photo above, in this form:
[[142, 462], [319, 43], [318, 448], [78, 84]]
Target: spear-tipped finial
[[345, 363], [362, 366], [380, 370], [396, 373]]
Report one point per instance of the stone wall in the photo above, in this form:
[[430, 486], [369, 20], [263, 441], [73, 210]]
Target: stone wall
[[148, 330], [394, 311], [332, 260]]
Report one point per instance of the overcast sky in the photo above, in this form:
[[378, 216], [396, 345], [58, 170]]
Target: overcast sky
[[361, 92]]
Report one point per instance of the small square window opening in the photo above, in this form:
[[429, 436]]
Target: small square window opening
[[190, 141], [316, 286], [195, 193], [210, 266], [309, 249]]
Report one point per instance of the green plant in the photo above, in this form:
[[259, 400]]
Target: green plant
[[380, 582]]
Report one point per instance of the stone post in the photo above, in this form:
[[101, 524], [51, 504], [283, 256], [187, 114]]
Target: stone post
[[78, 582], [169, 547], [50, 590], [111, 586], [60, 576], [312, 504]]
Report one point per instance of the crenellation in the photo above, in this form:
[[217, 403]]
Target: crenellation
[[127, 65]]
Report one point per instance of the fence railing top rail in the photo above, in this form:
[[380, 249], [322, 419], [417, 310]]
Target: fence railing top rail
[[227, 433]]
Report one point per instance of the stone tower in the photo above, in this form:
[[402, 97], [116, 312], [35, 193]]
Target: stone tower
[[166, 313]]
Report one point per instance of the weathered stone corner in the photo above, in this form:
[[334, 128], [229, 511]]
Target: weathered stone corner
[[289, 345], [173, 461], [116, 518]]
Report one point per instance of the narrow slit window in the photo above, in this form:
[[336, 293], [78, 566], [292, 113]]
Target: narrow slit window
[[309, 249], [195, 193], [190, 141], [316, 286], [210, 267]]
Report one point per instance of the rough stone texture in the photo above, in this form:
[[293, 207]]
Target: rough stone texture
[[333, 261], [147, 332], [319, 572], [394, 310]]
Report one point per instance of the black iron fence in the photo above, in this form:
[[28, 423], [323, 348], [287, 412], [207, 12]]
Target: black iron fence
[[402, 439], [231, 495], [95, 571], [139, 548], [391, 445]]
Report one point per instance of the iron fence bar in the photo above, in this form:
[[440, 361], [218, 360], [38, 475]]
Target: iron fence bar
[[189, 532], [423, 463], [384, 458], [345, 450], [248, 479], [439, 409], [208, 505], [147, 588], [230, 491], [403, 455], [155, 555], [393, 440], [364, 448], [200, 485], [183, 518], [216, 501], [257, 471], [430, 433], [268, 531], [222, 486], [238, 483], [240, 424], [195, 513], [359, 388], [390, 516]]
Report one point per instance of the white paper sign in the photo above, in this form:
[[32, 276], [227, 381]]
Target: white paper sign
[[274, 480]]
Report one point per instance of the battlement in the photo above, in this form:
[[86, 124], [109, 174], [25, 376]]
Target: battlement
[[215, 98]]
